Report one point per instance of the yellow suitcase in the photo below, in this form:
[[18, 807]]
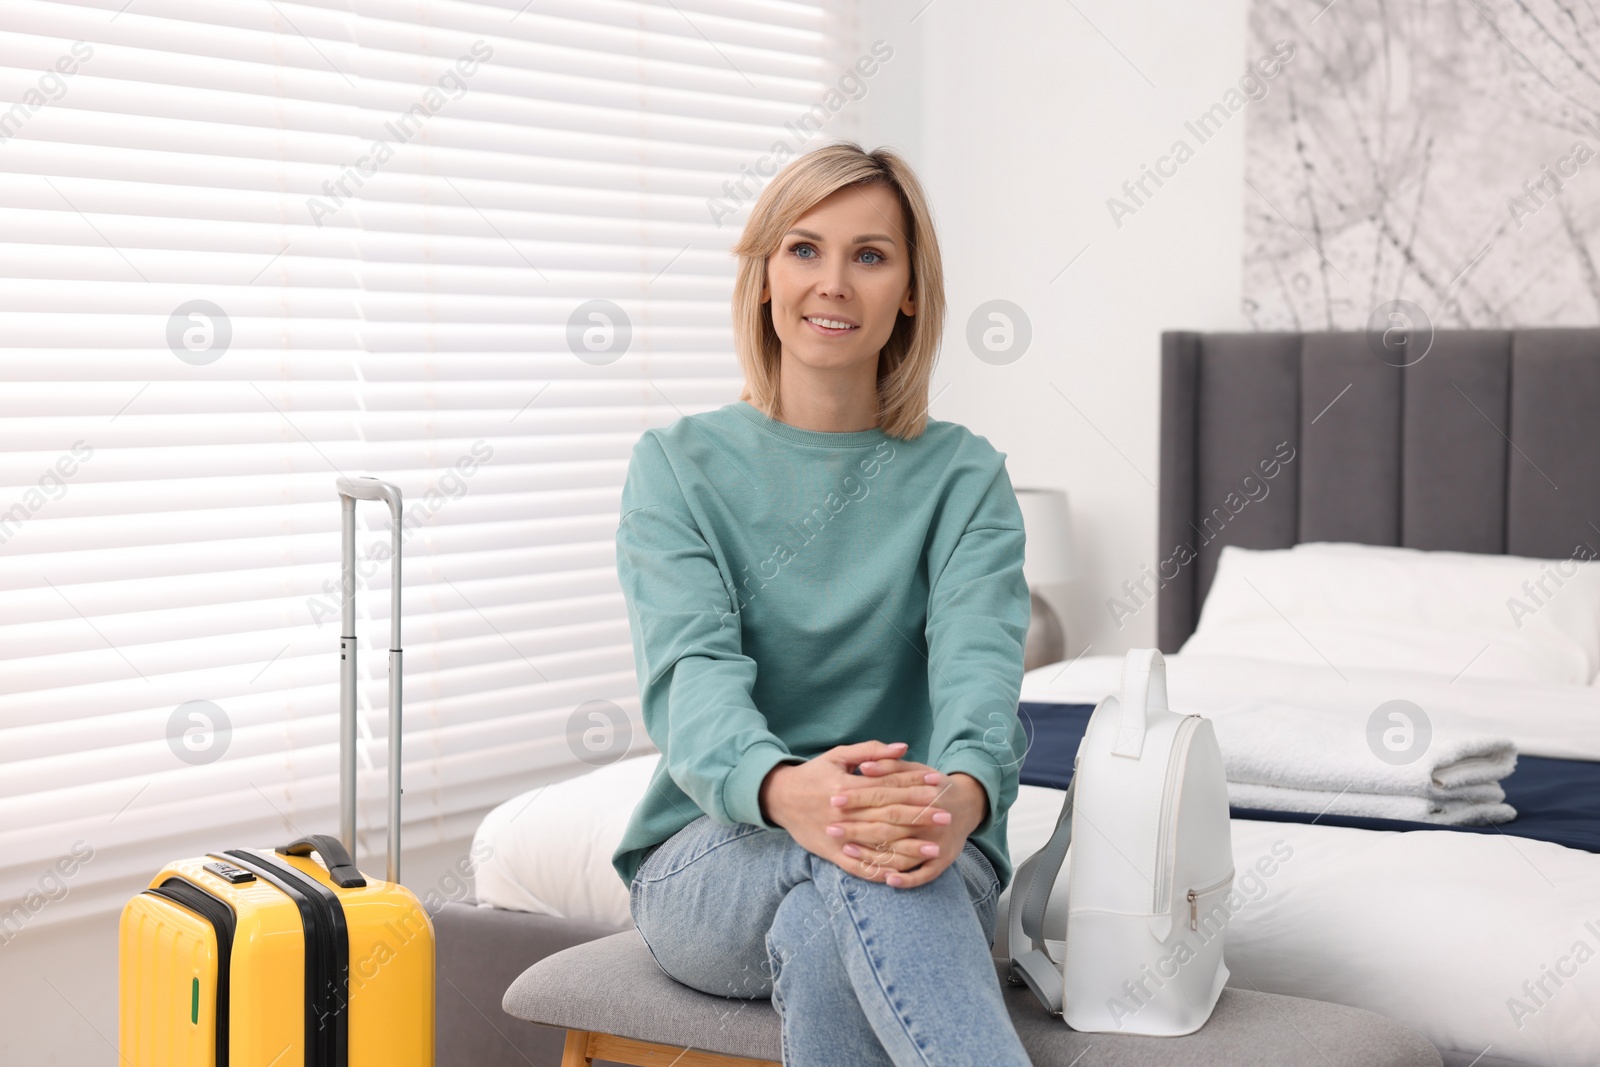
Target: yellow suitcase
[[268, 958]]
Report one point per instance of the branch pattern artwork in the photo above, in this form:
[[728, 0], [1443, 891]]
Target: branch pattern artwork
[[1441, 153]]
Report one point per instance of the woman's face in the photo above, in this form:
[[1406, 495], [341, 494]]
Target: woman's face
[[843, 262]]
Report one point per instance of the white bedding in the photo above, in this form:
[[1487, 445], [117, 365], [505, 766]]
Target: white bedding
[[1438, 929], [1383, 606], [1554, 719]]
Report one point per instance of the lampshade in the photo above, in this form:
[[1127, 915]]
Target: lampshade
[[1048, 529]]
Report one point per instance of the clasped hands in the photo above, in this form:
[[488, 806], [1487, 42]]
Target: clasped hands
[[899, 822]]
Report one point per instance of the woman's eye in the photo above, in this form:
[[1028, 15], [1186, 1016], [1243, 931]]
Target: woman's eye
[[796, 249]]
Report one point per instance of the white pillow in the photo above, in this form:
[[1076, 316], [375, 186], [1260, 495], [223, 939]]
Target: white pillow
[[1376, 606], [548, 851]]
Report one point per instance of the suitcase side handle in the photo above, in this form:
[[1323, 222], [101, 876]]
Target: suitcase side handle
[[341, 868], [367, 487]]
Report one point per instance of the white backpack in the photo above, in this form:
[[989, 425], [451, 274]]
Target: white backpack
[[1151, 866]]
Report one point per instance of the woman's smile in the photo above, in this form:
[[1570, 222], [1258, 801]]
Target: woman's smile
[[829, 326]]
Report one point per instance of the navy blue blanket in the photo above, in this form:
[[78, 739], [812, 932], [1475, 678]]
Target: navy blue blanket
[[1555, 799]]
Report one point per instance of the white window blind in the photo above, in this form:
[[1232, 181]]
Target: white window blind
[[248, 246]]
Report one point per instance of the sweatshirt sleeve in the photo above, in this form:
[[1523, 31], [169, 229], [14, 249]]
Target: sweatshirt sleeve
[[694, 680], [978, 614]]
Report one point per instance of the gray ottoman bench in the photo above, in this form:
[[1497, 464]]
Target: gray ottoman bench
[[617, 1005]]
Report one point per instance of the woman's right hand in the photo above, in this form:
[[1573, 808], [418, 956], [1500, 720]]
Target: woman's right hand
[[798, 797]]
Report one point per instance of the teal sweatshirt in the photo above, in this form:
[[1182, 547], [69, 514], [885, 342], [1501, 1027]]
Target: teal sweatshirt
[[790, 590]]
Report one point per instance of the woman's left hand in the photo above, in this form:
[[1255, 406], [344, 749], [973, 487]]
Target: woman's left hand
[[877, 827]]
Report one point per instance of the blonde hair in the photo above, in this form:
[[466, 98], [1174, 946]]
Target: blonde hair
[[905, 364]]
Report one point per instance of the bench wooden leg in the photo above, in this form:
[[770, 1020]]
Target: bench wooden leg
[[585, 1046], [576, 1052]]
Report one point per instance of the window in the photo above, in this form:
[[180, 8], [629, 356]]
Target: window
[[471, 248]]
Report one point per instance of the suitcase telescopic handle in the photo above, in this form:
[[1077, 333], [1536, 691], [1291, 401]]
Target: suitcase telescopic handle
[[351, 490]]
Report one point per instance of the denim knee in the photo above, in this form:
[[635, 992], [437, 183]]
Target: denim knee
[[687, 936], [803, 921]]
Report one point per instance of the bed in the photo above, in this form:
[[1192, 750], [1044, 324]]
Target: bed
[[1487, 941]]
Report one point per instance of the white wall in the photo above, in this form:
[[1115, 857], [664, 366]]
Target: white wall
[[1022, 119]]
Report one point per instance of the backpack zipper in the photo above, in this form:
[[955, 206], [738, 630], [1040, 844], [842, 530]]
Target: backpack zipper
[[1166, 841], [1196, 894]]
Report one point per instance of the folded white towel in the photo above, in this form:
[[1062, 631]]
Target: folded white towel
[[1465, 810], [1275, 744]]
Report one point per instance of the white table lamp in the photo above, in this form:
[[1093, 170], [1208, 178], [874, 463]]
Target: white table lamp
[[1048, 561]]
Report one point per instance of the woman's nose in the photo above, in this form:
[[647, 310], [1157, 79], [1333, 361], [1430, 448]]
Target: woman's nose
[[833, 286]]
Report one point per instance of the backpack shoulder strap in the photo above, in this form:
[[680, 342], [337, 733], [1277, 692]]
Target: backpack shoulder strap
[[1035, 880]]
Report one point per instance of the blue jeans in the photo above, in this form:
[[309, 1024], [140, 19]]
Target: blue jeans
[[861, 973]]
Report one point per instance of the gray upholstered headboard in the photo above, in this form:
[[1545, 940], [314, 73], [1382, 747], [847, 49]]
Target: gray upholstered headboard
[[1489, 443]]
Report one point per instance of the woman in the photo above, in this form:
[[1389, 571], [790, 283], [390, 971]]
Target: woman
[[808, 570]]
